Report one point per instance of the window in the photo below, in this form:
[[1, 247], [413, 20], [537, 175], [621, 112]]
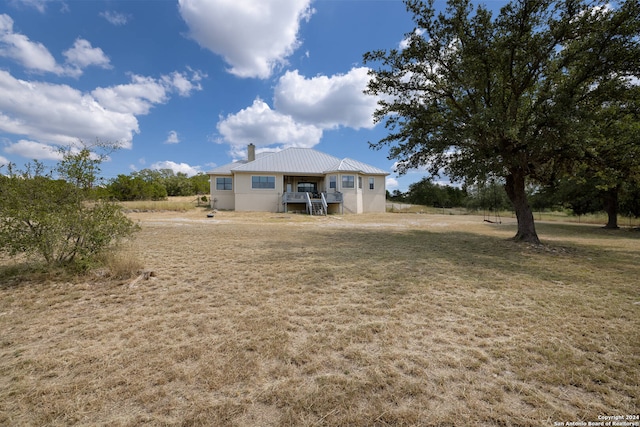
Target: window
[[348, 181], [263, 182], [307, 187], [224, 184], [372, 183], [332, 181], [360, 182]]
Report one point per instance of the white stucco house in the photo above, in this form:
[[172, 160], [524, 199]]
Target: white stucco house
[[298, 180]]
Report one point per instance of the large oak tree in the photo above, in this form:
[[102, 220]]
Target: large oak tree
[[612, 158], [504, 97]]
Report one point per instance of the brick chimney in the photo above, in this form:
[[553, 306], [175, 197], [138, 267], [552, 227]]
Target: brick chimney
[[251, 152]]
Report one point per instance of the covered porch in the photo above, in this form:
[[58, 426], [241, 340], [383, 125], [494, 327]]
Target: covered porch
[[310, 194], [313, 203]]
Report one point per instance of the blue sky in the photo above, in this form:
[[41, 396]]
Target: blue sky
[[187, 84]]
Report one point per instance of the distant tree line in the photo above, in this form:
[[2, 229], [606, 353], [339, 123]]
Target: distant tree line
[[588, 195], [579, 196], [149, 184], [427, 193], [474, 197]]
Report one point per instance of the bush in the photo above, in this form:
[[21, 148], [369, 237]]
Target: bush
[[55, 219], [127, 188]]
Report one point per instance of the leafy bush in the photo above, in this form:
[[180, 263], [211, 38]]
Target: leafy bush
[[149, 184], [55, 219], [128, 188]]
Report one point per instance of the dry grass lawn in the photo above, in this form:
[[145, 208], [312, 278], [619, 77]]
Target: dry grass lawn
[[260, 319]]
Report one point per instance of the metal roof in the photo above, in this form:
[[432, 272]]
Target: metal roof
[[298, 161], [350, 165], [226, 169]]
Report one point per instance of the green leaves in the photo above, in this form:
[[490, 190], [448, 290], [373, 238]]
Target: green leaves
[[56, 219], [504, 92], [149, 184], [511, 96]]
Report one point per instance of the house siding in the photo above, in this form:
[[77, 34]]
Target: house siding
[[374, 200], [222, 199], [350, 195], [291, 167], [257, 199]]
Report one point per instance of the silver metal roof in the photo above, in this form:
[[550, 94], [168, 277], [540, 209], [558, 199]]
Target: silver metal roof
[[226, 169], [293, 160], [350, 165]]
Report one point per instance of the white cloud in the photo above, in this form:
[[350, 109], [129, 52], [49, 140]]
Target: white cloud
[[262, 126], [633, 80], [115, 18], [172, 138], [61, 115], [18, 47], [404, 43], [139, 96], [182, 83], [36, 57], [39, 5], [3, 161], [304, 108], [82, 55], [327, 102], [33, 150], [391, 183], [253, 37], [177, 167], [602, 10]]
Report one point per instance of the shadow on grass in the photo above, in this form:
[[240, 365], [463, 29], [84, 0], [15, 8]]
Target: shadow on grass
[[407, 254], [584, 230], [15, 274]]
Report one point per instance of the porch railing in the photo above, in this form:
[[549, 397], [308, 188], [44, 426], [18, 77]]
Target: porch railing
[[309, 199], [309, 204], [334, 197], [295, 197]]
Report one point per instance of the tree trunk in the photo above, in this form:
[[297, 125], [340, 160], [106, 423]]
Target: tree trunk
[[611, 206], [515, 187]]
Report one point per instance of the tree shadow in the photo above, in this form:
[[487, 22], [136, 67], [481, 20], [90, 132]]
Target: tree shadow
[[475, 255], [19, 273], [585, 230]]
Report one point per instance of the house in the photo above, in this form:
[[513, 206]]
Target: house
[[298, 180]]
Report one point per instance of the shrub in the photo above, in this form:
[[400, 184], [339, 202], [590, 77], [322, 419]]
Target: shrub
[[56, 219]]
